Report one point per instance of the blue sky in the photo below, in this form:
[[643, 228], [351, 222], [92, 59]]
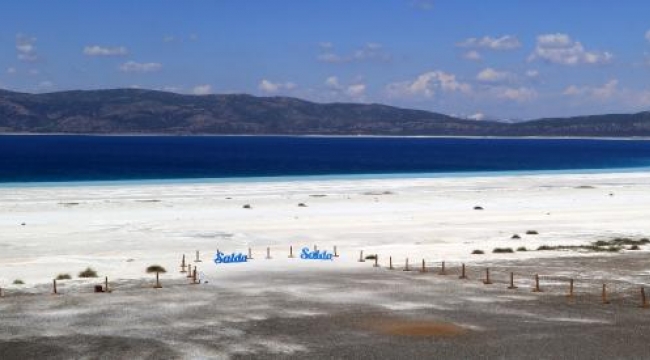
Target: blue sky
[[472, 58]]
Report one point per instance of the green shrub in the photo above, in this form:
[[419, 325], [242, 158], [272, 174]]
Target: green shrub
[[532, 232], [635, 247], [502, 250], [88, 273], [19, 282], [478, 252], [545, 247], [522, 248], [515, 236], [63, 277]]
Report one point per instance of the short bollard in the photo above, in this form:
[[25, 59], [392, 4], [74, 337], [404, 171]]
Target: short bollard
[[604, 295], [361, 259], [442, 269], [512, 281], [336, 254], [570, 294], [268, 253], [189, 271], [536, 288], [54, 290], [376, 261], [291, 252], [106, 288], [183, 265], [406, 266], [250, 254], [644, 302], [487, 277], [390, 263], [463, 274], [198, 259], [315, 248]]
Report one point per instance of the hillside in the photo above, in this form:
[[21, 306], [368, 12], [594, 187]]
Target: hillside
[[131, 111]]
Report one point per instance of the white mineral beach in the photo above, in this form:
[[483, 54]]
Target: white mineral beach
[[121, 229]]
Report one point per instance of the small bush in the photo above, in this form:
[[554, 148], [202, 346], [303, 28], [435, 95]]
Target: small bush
[[88, 273], [545, 247], [532, 232], [515, 236], [502, 250], [522, 248], [302, 205], [19, 282], [634, 247], [371, 257], [478, 252], [63, 277], [478, 208], [247, 206]]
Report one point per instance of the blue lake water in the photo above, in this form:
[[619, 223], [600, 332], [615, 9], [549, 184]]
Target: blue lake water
[[58, 158]]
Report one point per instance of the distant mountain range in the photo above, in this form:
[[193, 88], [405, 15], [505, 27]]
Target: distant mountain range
[[133, 111]]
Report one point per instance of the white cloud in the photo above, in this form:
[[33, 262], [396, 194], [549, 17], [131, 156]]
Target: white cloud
[[45, 85], [472, 55], [422, 4], [520, 94], [428, 84], [478, 116], [493, 76], [325, 45], [132, 66], [333, 82], [356, 90], [271, 87], [96, 50], [202, 89], [26, 48], [11, 70], [505, 42], [606, 91], [533, 74], [169, 38], [368, 52], [561, 49], [647, 35]]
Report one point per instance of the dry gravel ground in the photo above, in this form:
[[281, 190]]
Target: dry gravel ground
[[344, 314]]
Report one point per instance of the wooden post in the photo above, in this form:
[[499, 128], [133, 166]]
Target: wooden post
[[250, 254], [361, 259], [604, 294], [183, 266], [376, 261], [406, 267], [198, 259], [291, 252], [512, 281], [536, 288], [268, 253], [644, 302], [390, 263], [570, 294], [194, 276], [442, 269], [54, 291], [106, 289], [423, 268], [487, 277], [463, 275], [315, 247], [189, 271], [336, 254]]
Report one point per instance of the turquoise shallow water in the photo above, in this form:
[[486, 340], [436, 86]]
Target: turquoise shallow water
[[51, 160]]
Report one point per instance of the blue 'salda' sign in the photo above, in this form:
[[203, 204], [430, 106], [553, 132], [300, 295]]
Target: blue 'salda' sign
[[221, 258], [315, 255]]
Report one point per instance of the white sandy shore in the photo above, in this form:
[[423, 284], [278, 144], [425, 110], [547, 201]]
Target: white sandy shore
[[121, 229]]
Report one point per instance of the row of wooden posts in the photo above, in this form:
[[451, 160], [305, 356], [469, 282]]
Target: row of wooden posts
[[488, 281]]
